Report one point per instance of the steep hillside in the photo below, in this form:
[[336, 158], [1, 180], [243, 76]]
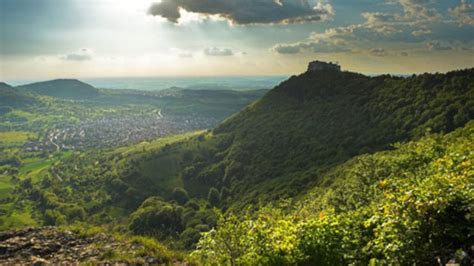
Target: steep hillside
[[11, 97], [317, 119], [63, 88], [411, 205]]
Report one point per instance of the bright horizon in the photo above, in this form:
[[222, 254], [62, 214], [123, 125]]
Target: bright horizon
[[48, 39]]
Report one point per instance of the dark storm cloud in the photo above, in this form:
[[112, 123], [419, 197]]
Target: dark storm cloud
[[246, 11]]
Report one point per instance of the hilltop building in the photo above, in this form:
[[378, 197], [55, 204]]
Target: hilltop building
[[319, 65]]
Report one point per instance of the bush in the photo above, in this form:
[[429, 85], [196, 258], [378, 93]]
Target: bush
[[74, 212], [53, 217], [156, 217], [192, 204], [190, 237], [214, 197], [225, 193], [180, 195]]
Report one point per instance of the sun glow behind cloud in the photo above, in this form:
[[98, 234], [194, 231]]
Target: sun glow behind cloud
[[120, 38]]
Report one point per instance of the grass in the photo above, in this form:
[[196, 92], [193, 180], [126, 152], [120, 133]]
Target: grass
[[155, 144], [84, 230], [148, 247], [12, 215], [116, 212], [33, 167], [21, 219], [151, 247], [163, 170], [15, 218], [28, 116], [160, 170], [16, 137], [5, 186], [32, 117], [164, 167]]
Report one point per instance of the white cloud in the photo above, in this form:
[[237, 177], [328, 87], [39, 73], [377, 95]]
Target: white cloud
[[463, 13], [421, 32], [309, 46], [216, 51], [381, 22], [438, 46], [419, 9], [287, 48], [378, 52], [412, 25], [83, 54]]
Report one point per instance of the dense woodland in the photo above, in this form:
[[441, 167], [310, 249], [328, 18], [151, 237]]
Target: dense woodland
[[328, 168]]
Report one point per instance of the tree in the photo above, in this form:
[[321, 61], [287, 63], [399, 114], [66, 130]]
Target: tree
[[225, 193], [214, 196], [156, 217], [27, 184], [53, 217], [180, 195]]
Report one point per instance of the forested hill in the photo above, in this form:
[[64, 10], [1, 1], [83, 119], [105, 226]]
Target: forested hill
[[63, 88], [280, 146], [11, 97], [317, 119]]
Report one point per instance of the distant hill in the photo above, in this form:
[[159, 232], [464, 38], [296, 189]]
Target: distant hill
[[216, 103], [63, 88], [11, 97]]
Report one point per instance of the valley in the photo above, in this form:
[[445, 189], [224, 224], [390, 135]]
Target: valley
[[45, 130], [113, 130], [319, 168], [237, 133]]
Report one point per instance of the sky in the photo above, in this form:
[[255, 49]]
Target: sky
[[44, 39]]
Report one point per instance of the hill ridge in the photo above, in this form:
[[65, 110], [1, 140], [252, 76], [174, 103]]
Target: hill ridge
[[63, 88], [12, 97]]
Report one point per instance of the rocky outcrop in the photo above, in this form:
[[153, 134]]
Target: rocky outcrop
[[49, 245], [319, 66]]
